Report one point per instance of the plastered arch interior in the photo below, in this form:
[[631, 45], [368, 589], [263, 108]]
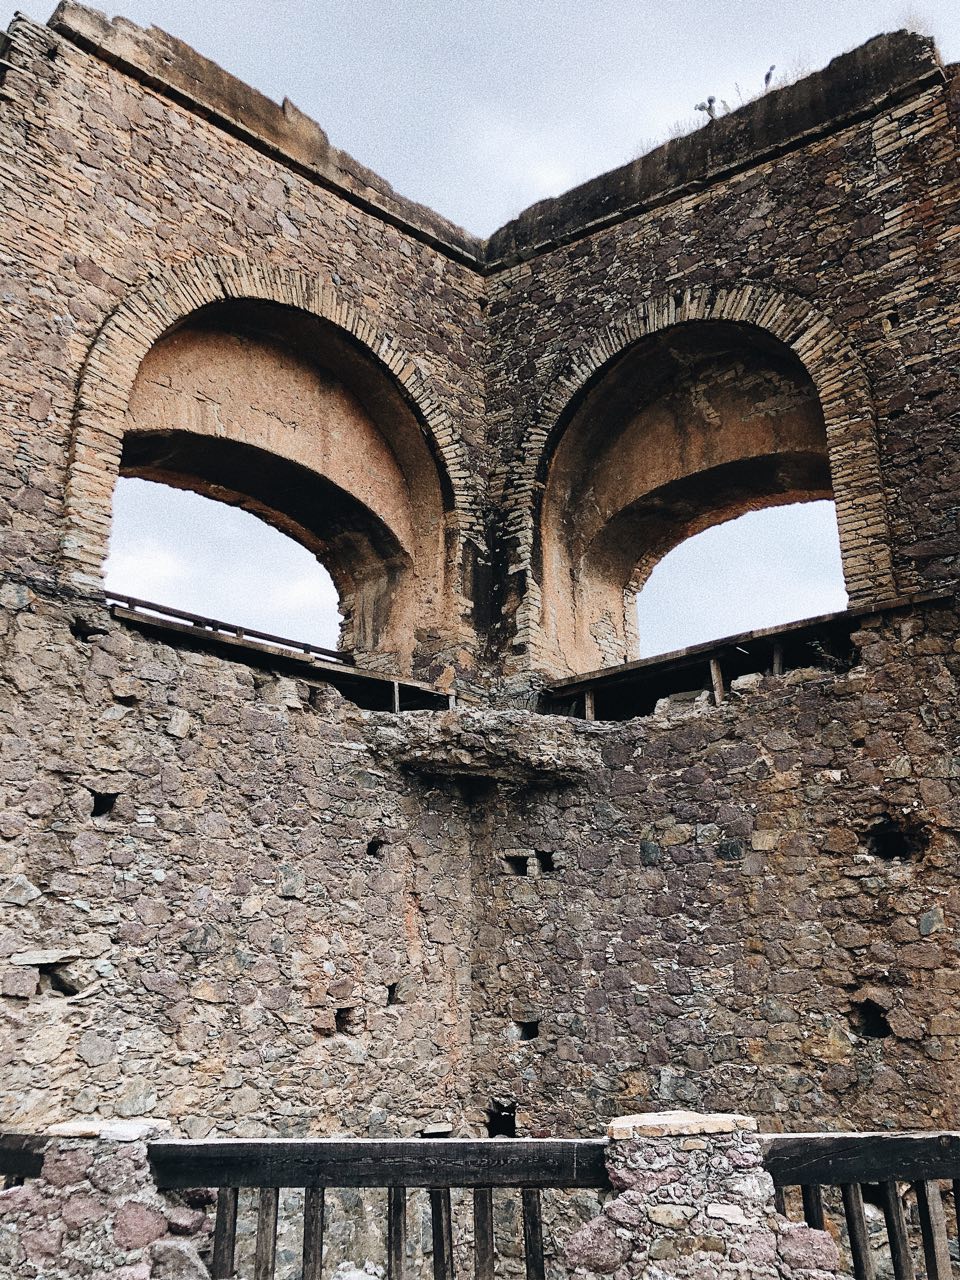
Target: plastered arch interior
[[258, 388], [684, 413]]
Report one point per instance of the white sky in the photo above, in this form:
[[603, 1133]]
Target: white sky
[[478, 108]]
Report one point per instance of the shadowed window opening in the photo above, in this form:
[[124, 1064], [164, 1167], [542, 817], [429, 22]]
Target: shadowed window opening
[[180, 548], [527, 1030], [894, 838], [375, 846], [103, 802], [55, 978], [546, 861], [762, 569], [501, 1119], [869, 1019], [516, 864], [392, 997]]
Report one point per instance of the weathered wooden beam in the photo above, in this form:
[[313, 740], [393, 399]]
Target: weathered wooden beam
[[897, 1238], [441, 1220], [532, 1233], [313, 1208], [813, 1206], [360, 1162], [265, 1256], [225, 1234], [716, 679], [933, 1231], [483, 1245], [396, 1232], [863, 1268], [833, 1159]]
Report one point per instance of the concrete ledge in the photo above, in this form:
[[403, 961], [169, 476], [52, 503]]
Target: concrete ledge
[[676, 1124]]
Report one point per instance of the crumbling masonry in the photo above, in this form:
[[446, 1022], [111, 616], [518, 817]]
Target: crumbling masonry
[[236, 901]]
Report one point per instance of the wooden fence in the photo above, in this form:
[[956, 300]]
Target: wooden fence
[[888, 1169], [529, 1165]]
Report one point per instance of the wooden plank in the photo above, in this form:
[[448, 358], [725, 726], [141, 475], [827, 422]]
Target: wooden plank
[[778, 659], [483, 1246], [897, 1232], [532, 1233], [396, 1232], [265, 1257], [21, 1154], [371, 1162], [313, 1208], [863, 1268], [813, 1206], [442, 1229], [225, 1234], [589, 705], [780, 1201], [956, 1205], [933, 1231], [716, 679], [832, 1159]]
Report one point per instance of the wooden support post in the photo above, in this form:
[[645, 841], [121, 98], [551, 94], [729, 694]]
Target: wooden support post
[[483, 1233], [813, 1207], [897, 1232], [716, 677], [442, 1228], [857, 1230], [589, 705], [933, 1231], [532, 1233], [265, 1257], [780, 1201], [225, 1233], [778, 659], [313, 1206], [396, 695], [396, 1232]]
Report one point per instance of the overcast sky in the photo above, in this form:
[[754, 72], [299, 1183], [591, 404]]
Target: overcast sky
[[478, 108]]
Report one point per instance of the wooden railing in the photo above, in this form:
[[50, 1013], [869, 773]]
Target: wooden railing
[[133, 605], [529, 1165], [890, 1169]]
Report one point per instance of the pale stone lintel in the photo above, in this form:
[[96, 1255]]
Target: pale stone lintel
[[674, 1124], [110, 1130]]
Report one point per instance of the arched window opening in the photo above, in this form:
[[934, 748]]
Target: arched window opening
[[687, 429], [191, 552], [280, 415], [761, 569]]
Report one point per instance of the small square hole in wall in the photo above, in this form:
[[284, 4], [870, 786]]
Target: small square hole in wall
[[527, 1030], [350, 1021], [103, 802], [501, 1119], [392, 997], [869, 1019], [546, 861], [895, 837], [516, 864]]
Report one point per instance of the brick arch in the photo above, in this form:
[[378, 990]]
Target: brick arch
[[165, 299], [845, 398]]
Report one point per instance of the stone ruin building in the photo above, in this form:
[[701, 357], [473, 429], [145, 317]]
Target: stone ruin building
[[486, 873]]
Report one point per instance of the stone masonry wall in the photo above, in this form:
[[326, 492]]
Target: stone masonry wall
[[704, 920], [235, 902], [859, 224]]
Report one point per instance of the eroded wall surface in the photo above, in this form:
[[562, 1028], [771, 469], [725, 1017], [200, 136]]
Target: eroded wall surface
[[236, 902]]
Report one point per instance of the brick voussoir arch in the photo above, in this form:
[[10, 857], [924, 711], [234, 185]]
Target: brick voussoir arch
[[842, 386], [165, 299]]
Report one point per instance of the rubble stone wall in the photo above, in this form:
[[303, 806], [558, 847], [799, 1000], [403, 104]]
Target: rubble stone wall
[[238, 903]]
